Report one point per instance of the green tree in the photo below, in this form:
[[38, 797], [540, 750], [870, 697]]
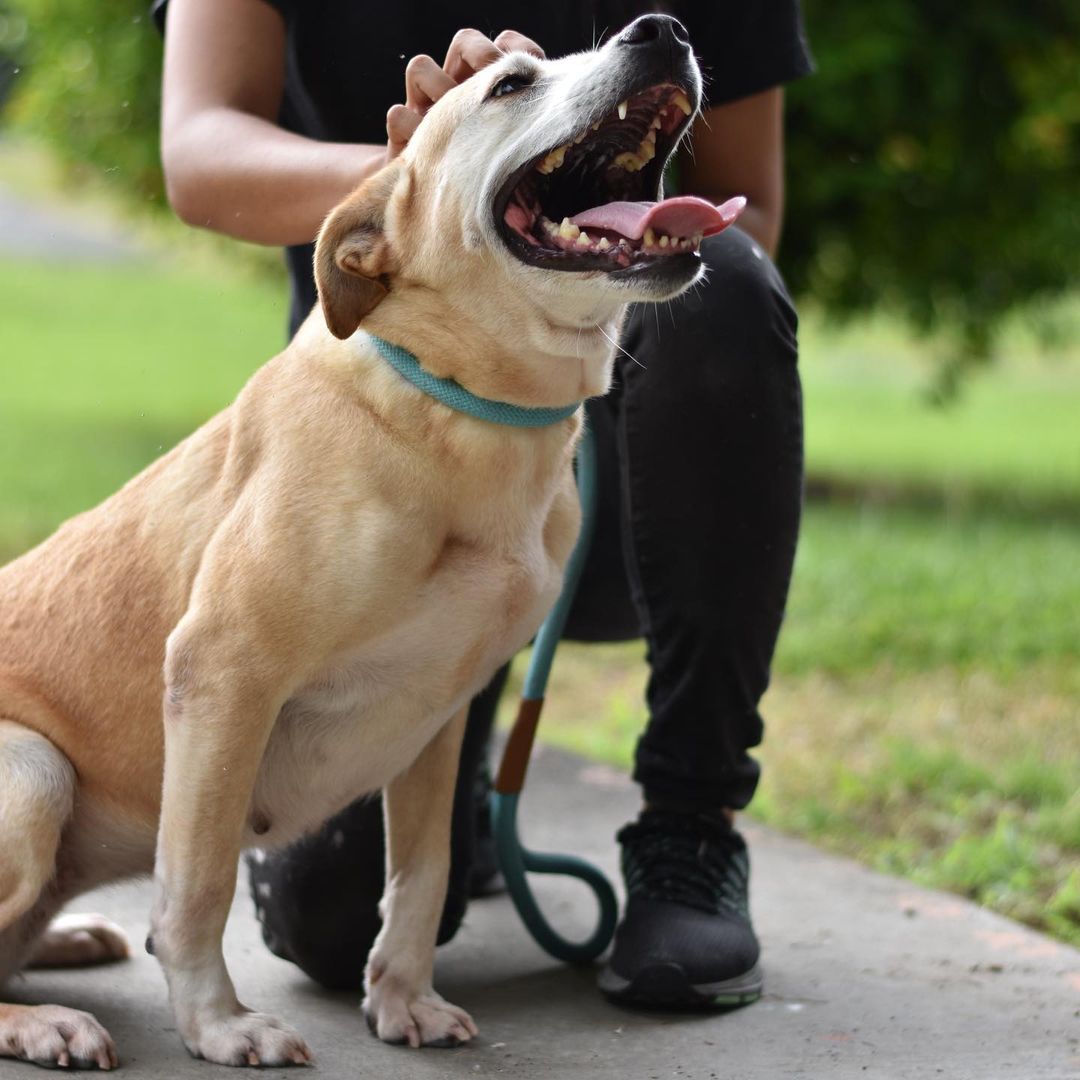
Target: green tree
[[90, 84], [934, 162]]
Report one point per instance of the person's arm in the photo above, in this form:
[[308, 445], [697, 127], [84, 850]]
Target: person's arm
[[738, 149], [228, 166]]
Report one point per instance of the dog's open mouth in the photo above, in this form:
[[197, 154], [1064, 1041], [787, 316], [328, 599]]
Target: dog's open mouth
[[590, 202]]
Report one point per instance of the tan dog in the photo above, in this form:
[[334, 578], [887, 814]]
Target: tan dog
[[296, 604]]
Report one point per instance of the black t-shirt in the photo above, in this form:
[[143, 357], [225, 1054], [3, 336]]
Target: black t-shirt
[[346, 59]]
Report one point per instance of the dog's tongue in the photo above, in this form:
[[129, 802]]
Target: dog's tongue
[[684, 215]]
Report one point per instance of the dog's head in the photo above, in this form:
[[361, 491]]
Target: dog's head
[[539, 178]]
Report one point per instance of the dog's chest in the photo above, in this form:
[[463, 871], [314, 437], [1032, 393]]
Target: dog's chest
[[373, 708]]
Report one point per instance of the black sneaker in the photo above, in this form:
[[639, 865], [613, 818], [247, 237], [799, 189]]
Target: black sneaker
[[686, 939]]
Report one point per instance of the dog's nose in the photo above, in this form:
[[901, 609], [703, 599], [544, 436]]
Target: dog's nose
[[656, 29]]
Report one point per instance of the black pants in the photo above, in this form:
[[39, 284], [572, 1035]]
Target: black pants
[[700, 458]]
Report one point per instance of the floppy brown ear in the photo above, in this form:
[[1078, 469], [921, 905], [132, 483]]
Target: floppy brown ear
[[353, 260]]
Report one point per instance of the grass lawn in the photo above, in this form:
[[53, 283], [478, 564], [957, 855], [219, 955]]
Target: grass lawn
[[104, 368], [1011, 438], [924, 710]]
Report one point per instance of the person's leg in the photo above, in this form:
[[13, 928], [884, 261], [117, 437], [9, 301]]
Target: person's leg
[[317, 899], [710, 429]]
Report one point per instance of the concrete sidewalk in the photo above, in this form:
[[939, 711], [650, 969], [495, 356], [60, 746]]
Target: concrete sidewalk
[[866, 976], [30, 230]]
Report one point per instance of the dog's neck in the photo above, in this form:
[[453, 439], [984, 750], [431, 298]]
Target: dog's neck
[[455, 396], [534, 363]]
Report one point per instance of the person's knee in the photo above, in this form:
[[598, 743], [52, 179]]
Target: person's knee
[[742, 293], [728, 343], [325, 923], [317, 900], [731, 337]]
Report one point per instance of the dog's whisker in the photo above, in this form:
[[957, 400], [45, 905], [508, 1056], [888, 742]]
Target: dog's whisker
[[612, 341]]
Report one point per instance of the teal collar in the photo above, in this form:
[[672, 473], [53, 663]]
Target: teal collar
[[455, 395]]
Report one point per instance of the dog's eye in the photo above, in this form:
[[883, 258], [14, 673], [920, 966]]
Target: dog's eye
[[510, 84]]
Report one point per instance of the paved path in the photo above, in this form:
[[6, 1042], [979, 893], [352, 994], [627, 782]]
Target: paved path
[[31, 230], [866, 976]]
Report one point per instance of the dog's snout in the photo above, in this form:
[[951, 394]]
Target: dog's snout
[[656, 29]]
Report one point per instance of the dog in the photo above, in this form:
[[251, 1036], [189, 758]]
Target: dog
[[295, 605]]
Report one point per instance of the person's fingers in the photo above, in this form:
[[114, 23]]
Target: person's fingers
[[401, 123], [469, 52], [425, 83], [512, 41]]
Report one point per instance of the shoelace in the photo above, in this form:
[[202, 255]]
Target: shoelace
[[686, 859]]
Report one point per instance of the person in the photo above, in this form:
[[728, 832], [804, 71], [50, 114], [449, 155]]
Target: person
[[273, 111]]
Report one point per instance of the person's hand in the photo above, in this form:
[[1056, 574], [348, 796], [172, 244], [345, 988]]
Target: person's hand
[[426, 82]]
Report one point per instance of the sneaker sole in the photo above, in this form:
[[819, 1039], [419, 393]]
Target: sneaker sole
[[667, 986]]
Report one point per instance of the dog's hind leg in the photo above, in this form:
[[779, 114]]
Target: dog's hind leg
[[37, 791], [79, 941]]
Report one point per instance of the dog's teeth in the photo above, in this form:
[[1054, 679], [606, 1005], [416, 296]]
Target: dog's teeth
[[553, 160], [596, 126], [568, 230], [649, 238], [583, 240], [664, 241], [622, 110], [680, 99], [650, 137], [629, 161], [603, 244], [657, 123]]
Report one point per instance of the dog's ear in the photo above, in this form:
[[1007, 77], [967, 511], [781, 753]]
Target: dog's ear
[[353, 260]]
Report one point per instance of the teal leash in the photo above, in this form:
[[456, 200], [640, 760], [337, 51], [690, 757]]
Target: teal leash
[[515, 860], [454, 395]]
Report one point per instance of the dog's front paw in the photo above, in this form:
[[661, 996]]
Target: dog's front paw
[[422, 1019], [55, 1037], [248, 1038]]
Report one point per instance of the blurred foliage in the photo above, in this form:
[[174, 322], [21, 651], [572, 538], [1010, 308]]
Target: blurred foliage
[[12, 44], [91, 85], [933, 158], [933, 162]]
